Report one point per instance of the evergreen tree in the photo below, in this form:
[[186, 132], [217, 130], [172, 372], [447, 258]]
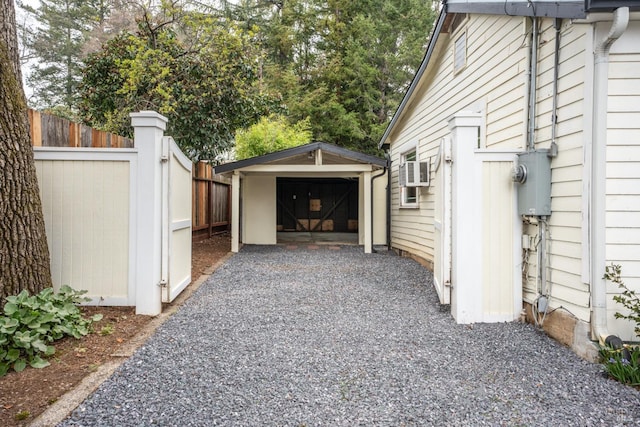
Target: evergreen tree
[[373, 48], [56, 44], [345, 64]]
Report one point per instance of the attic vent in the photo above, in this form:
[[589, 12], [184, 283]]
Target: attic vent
[[414, 174], [460, 52]]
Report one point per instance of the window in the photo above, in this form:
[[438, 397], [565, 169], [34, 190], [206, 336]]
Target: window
[[409, 195]]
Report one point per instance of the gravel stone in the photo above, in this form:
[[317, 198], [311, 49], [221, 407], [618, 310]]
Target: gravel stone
[[318, 337]]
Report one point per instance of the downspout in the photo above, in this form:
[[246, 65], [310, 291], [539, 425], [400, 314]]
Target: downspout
[[388, 157], [373, 178], [599, 329]]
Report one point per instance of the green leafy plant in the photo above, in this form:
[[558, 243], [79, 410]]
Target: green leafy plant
[[271, 134], [107, 329], [628, 298], [622, 364], [22, 415], [31, 323]]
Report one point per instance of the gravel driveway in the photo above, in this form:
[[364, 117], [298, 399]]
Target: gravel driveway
[[333, 337]]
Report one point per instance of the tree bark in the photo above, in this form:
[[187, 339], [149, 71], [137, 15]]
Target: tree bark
[[24, 255]]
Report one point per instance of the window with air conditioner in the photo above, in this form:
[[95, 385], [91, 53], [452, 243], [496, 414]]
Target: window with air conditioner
[[415, 174], [412, 174]]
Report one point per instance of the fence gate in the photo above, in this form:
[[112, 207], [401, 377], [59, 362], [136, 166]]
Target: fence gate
[[486, 284], [176, 220], [442, 222]]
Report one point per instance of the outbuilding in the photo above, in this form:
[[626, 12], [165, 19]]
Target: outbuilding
[[313, 188]]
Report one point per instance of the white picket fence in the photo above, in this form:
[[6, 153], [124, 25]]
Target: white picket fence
[[118, 220]]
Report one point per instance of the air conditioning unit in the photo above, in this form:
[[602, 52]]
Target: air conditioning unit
[[414, 174]]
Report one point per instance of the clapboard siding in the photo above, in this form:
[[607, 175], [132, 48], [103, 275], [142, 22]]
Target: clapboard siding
[[493, 80], [623, 174], [565, 232]]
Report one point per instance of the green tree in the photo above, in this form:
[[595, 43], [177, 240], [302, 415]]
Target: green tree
[[271, 134], [24, 255], [373, 48], [56, 43], [345, 64], [188, 66]]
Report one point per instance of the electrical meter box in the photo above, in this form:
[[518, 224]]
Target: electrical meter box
[[533, 177]]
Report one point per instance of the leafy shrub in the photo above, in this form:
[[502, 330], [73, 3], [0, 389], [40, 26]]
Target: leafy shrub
[[271, 134], [31, 323], [627, 298], [622, 364]]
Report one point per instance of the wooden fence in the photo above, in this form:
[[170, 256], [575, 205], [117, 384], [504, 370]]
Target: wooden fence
[[51, 131], [211, 193], [211, 207]]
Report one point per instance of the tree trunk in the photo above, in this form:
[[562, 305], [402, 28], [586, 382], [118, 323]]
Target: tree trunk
[[24, 255]]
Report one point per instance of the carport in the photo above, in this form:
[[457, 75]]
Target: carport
[[315, 188]]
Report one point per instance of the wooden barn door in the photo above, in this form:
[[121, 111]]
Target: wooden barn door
[[317, 205]]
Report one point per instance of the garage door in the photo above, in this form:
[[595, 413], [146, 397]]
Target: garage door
[[315, 204]]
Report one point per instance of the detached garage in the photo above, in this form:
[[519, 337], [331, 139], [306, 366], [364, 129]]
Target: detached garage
[[314, 188]]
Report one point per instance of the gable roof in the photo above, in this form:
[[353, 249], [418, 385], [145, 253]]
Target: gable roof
[[574, 9], [355, 156]]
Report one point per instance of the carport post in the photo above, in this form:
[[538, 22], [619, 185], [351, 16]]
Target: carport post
[[148, 129], [235, 211], [368, 238]]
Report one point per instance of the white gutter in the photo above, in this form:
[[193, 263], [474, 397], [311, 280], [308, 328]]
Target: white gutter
[[602, 16], [598, 174]]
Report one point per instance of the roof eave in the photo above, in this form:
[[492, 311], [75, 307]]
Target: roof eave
[[291, 152], [570, 9]]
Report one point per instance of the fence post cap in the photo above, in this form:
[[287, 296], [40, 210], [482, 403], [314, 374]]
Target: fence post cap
[[148, 119]]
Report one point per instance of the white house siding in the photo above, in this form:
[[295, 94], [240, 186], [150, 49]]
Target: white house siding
[[493, 81], [564, 261], [86, 212], [623, 170]]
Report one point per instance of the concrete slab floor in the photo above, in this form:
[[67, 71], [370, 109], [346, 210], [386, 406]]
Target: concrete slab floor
[[318, 238]]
